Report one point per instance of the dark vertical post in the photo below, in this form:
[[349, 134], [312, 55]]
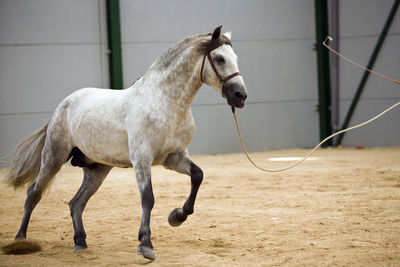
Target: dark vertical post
[[324, 98], [334, 63], [370, 65], [114, 44]]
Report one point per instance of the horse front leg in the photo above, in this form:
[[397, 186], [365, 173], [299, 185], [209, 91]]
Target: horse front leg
[[182, 163], [143, 177]]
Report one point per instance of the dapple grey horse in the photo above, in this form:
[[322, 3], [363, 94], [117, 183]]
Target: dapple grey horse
[[149, 123]]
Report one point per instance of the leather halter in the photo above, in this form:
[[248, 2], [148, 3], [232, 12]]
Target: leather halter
[[223, 80]]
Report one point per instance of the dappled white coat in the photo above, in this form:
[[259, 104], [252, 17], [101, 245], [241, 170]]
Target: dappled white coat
[[151, 119], [149, 123]]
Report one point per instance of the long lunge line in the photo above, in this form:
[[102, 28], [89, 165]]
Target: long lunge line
[[331, 136]]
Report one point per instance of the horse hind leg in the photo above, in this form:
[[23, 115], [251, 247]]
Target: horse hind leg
[[53, 157], [182, 163], [92, 179]]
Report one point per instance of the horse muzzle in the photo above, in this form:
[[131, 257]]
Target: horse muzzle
[[235, 94]]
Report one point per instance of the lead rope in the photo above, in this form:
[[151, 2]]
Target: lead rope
[[329, 137]]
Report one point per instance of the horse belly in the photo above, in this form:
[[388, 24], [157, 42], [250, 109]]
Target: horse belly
[[110, 148]]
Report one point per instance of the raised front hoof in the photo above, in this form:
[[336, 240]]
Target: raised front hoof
[[20, 236], [146, 252], [176, 217], [78, 248]]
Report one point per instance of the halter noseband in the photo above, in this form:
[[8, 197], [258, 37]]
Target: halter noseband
[[223, 80]]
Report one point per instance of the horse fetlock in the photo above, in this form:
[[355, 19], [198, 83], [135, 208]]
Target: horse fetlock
[[144, 236], [20, 236], [80, 239], [146, 242], [187, 211]]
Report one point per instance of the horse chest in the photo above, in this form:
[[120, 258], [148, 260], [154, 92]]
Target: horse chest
[[175, 139], [181, 137]]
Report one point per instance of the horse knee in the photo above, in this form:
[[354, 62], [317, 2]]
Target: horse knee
[[196, 174], [147, 197]]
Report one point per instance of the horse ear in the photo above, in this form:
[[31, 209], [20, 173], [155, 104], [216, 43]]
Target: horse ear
[[228, 35], [216, 33]]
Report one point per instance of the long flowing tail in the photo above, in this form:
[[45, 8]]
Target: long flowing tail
[[26, 159]]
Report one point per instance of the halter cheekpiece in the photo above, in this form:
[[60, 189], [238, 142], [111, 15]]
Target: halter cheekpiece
[[223, 80]]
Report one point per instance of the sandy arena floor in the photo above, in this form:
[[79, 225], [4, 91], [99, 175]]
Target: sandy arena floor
[[343, 208]]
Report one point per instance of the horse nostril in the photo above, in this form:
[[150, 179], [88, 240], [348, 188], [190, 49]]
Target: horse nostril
[[238, 95]]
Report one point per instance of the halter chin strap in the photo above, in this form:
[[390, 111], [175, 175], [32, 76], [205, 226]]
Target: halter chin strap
[[223, 80]]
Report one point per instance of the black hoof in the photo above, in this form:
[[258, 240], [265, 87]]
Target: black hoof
[[20, 236], [176, 217], [146, 252]]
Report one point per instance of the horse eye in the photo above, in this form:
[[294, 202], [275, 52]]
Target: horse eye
[[220, 60]]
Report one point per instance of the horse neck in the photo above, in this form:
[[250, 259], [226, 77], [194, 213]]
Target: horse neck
[[179, 80]]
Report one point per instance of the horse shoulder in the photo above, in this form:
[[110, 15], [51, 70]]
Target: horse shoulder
[[187, 126]]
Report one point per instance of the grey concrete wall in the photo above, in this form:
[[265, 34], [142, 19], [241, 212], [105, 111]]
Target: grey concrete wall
[[360, 25], [48, 49]]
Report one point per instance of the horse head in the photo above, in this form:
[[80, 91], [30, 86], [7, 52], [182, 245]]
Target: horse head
[[221, 70]]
